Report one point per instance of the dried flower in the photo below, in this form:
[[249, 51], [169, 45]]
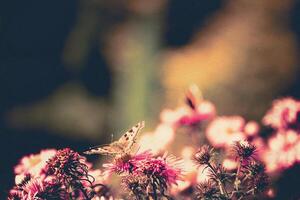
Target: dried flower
[[67, 166], [243, 150], [204, 155], [254, 168]]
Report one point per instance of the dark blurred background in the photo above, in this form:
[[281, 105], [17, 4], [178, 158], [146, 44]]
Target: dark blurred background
[[73, 72]]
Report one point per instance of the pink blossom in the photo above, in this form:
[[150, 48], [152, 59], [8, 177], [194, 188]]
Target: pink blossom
[[283, 114], [34, 163], [186, 116], [165, 168], [127, 163], [157, 140], [37, 188], [283, 151], [224, 131]]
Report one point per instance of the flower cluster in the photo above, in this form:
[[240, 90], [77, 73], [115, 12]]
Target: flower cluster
[[284, 114], [193, 113], [248, 180], [233, 162], [60, 175], [144, 175], [283, 147]]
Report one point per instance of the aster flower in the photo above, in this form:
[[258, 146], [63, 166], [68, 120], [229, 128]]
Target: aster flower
[[254, 168], [158, 173], [243, 150], [188, 116], [282, 151], [283, 114], [37, 189], [194, 112], [66, 175], [205, 155], [166, 169], [245, 180], [34, 164], [223, 131], [127, 164], [42, 189], [67, 166]]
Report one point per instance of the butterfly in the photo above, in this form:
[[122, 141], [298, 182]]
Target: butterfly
[[120, 147]]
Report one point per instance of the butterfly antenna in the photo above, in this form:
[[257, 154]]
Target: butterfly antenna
[[112, 138]]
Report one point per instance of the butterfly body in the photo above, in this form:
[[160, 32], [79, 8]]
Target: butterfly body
[[120, 147]]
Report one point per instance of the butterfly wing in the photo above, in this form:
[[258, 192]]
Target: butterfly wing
[[103, 150], [123, 145], [128, 138]]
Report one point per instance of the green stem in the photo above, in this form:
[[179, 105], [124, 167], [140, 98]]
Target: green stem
[[237, 180], [220, 183]]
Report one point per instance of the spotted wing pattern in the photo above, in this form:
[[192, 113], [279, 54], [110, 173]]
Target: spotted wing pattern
[[121, 146], [128, 139]]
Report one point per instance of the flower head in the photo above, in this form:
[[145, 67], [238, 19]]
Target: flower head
[[165, 169], [243, 150], [189, 115], [282, 151], [34, 164], [204, 155], [223, 131], [36, 188], [255, 168], [127, 163], [283, 114], [67, 165]]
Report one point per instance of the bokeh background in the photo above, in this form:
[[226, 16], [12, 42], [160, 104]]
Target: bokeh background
[[73, 72]]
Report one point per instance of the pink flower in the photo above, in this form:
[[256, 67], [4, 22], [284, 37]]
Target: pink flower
[[283, 114], [37, 188], [186, 116], [69, 168], [162, 136], [224, 131], [283, 151], [127, 164], [34, 163], [65, 173], [165, 168]]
